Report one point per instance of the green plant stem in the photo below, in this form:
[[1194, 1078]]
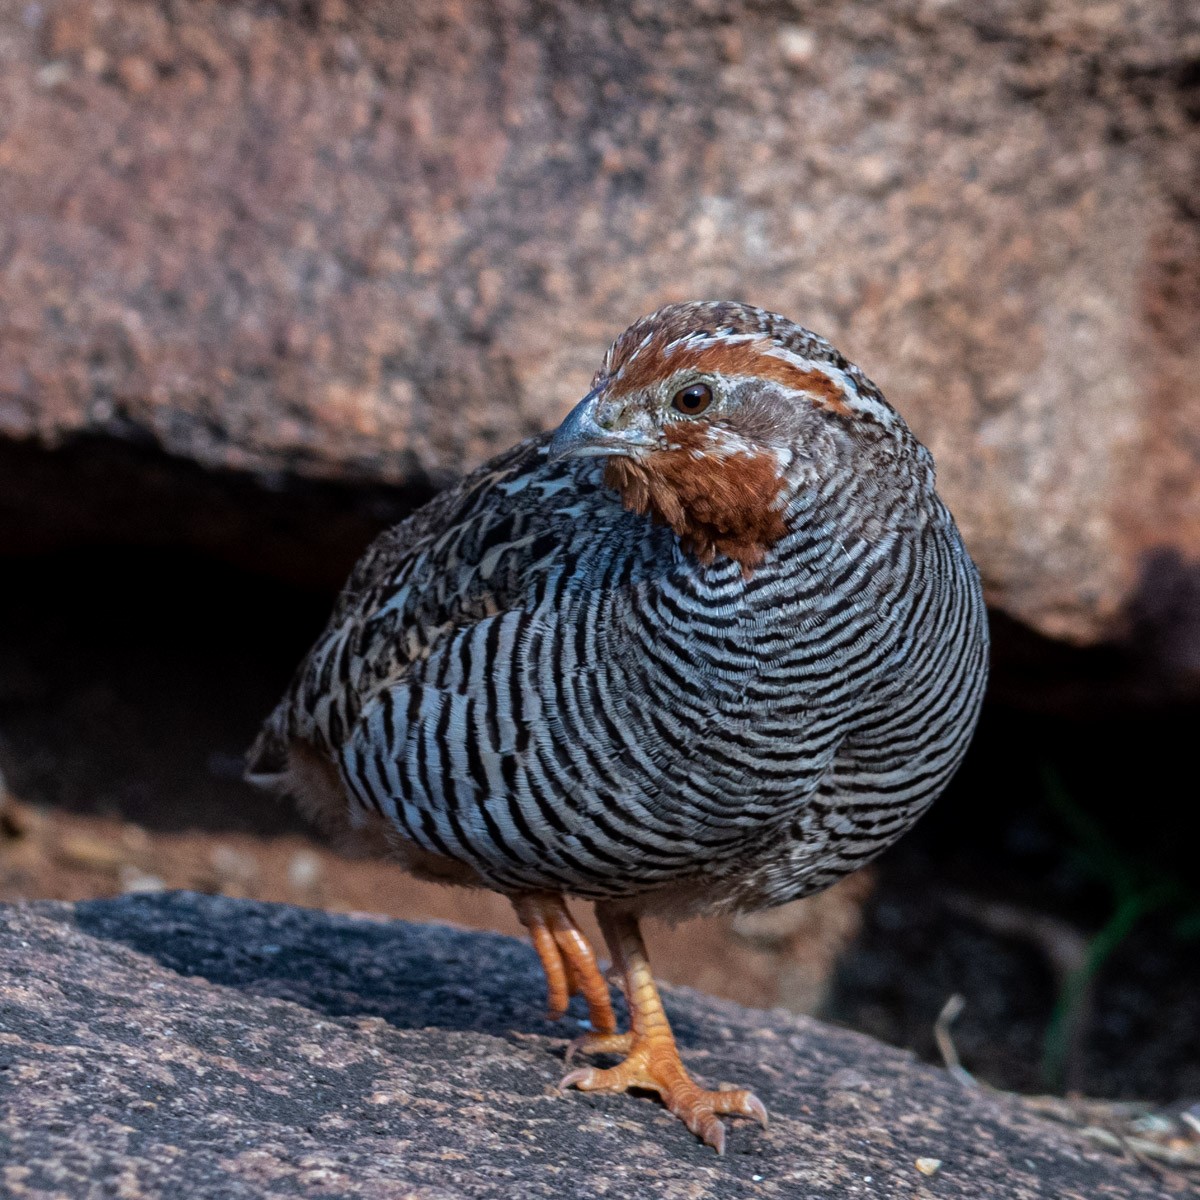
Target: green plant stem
[[1063, 1029]]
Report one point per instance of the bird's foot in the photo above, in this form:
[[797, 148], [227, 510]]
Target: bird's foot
[[600, 1043], [653, 1063]]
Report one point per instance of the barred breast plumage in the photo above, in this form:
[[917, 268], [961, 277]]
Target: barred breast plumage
[[712, 645]]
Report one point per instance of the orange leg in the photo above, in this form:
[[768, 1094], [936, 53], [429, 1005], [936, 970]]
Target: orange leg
[[653, 1061], [567, 959]]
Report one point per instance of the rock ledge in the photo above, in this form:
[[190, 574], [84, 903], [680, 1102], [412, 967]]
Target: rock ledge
[[192, 1045]]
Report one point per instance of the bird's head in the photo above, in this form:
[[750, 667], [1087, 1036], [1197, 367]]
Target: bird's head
[[706, 413]]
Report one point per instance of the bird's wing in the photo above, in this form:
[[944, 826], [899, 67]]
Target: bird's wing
[[483, 548], [421, 569]]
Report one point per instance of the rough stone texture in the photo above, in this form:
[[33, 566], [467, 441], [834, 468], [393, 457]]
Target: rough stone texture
[[356, 240], [200, 1046]]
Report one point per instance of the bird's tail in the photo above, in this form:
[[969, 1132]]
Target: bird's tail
[[267, 759]]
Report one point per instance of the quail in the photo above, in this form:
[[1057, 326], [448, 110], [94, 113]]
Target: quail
[[712, 644]]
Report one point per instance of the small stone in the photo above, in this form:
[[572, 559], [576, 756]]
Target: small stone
[[135, 882], [877, 172], [304, 870], [52, 74], [929, 1166], [797, 45], [234, 866], [91, 853]]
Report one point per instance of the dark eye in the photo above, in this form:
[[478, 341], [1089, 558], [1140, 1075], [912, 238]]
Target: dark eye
[[693, 399]]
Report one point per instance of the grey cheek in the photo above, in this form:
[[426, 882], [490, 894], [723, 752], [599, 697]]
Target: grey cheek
[[644, 422], [743, 393]]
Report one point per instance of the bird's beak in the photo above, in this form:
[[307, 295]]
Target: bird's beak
[[581, 435]]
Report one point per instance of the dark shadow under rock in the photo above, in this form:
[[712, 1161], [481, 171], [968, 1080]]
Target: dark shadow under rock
[[203, 1046]]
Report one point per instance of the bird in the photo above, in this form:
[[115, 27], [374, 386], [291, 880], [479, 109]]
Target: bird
[[707, 647]]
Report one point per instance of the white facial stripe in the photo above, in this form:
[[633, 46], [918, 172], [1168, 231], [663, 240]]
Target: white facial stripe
[[702, 341], [857, 400], [807, 364], [725, 443], [860, 400], [636, 351]]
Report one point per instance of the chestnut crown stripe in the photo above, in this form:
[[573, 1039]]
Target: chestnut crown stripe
[[735, 339]]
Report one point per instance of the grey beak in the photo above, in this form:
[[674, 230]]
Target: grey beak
[[582, 436], [580, 432]]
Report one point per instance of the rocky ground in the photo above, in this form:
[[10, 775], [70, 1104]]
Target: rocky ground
[[216, 1047]]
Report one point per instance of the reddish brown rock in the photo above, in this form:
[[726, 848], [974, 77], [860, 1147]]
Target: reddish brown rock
[[370, 242]]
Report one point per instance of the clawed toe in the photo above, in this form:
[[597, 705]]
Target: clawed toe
[[567, 958], [698, 1108], [744, 1103], [599, 1043]]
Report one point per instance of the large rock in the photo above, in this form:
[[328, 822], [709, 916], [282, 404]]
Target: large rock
[[377, 242], [197, 1046]]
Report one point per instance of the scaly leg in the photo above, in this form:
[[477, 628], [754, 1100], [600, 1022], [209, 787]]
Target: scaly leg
[[567, 959], [653, 1060]]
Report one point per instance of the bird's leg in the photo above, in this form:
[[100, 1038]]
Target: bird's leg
[[653, 1060], [567, 958], [606, 1041]]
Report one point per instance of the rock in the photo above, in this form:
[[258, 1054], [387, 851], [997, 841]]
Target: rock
[[201, 1046], [346, 242]]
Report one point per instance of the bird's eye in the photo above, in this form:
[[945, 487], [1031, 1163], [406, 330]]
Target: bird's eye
[[693, 399]]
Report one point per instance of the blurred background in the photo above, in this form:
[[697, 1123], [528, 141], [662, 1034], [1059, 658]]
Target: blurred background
[[274, 271]]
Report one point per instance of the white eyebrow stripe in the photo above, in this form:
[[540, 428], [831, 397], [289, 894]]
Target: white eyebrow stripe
[[806, 364], [856, 398], [702, 341]]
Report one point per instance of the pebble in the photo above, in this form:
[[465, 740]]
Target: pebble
[[136, 882], [797, 45]]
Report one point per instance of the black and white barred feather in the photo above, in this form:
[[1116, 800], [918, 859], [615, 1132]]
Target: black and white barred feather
[[528, 679]]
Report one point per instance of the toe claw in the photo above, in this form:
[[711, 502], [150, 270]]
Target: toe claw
[[714, 1135], [574, 1078], [741, 1103]]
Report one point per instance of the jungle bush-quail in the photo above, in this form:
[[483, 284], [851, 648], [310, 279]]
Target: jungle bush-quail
[[710, 646]]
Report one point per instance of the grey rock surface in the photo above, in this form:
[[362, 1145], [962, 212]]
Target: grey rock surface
[[185, 1045], [376, 243]]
